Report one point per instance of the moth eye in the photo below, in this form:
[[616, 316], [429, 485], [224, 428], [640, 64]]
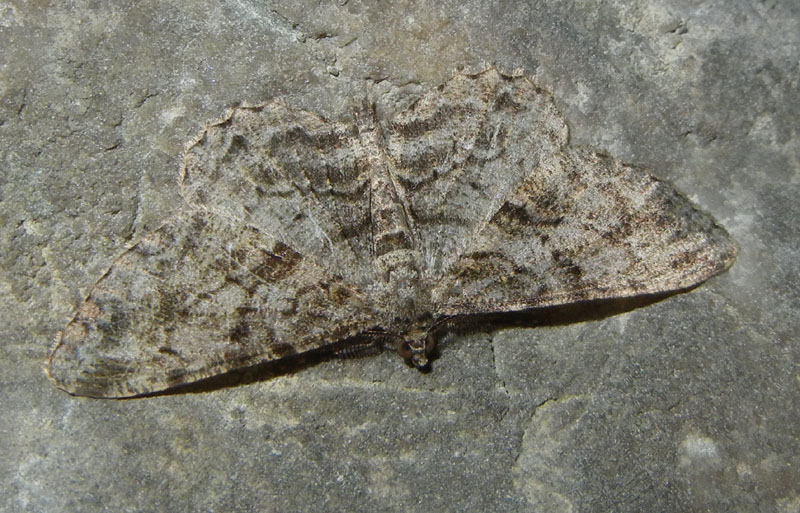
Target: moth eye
[[430, 344], [404, 350]]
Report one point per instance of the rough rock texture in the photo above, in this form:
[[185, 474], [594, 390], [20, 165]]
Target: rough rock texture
[[689, 404]]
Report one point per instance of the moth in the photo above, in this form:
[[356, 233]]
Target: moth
[[299, 233]]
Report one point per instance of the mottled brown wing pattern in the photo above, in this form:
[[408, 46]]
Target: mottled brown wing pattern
[[290, 173], [461, 149], [198, 297], [582, 226]]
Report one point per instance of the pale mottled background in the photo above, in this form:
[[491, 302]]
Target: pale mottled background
[[691, 404]]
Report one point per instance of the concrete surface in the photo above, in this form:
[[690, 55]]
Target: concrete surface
[[689, 404]]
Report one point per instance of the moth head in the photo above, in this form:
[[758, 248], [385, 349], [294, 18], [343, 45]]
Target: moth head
[[417, 348]]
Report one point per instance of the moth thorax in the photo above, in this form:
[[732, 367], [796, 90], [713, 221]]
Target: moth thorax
[[399, 267], [391, 241]]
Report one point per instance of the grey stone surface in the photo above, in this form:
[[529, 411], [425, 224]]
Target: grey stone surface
[[689, 404]]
